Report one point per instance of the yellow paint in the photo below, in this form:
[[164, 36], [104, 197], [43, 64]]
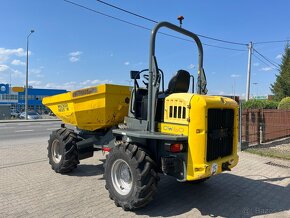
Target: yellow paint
[[194, 124], [197, 166], [91, 108], [176, 108]]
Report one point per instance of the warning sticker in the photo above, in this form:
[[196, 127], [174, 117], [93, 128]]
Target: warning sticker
[[63, 107], [83, 92]]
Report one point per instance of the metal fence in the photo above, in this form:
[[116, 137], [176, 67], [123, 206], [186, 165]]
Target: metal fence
[[263, 125]]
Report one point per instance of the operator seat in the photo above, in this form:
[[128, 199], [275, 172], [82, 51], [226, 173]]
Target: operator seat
[[179, 82]]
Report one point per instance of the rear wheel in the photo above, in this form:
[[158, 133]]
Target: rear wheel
[[131, 177], [62, 151]]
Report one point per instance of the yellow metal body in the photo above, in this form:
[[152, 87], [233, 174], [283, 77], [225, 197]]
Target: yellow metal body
[[186, 114], [92, 108]]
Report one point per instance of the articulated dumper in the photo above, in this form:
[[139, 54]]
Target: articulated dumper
[[147, 130]]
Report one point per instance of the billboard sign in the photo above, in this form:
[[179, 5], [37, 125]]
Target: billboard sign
[[4, 88]]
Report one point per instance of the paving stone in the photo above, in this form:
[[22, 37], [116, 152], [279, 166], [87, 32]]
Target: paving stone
[[29, 188]]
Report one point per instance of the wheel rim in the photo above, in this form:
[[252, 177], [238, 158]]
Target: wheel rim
[[121, 177], [55, 151]]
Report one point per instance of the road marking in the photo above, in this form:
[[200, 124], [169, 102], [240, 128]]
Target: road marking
[[24, 130], [23, 124]]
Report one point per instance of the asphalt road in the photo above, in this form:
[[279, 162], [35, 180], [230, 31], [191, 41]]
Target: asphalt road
[[26, 130]]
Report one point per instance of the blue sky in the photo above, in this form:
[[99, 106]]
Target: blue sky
[[74, 48]]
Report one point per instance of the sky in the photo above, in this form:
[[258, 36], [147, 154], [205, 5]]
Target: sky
[[73, 48]]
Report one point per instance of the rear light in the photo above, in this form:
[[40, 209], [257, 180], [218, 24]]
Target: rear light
[[175, 148], [106, 149]]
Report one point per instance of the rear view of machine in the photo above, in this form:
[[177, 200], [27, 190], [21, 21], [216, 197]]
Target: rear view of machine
[[148, 130]]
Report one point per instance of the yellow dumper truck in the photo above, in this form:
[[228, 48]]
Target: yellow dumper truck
[[147, 130]]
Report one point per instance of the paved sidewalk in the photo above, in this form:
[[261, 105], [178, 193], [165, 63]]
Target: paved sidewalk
[[29, 188]]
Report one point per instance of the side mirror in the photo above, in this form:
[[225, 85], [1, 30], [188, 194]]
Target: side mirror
[[134, 74]]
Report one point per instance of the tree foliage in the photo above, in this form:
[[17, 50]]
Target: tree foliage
[[284, 103], [281, 87]]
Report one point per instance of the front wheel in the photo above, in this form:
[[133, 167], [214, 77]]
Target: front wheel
[[62, 151], [131, 177]]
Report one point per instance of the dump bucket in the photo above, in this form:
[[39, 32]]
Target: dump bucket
[[91, 108]]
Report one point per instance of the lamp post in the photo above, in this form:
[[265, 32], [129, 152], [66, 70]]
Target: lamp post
[[26, 82]]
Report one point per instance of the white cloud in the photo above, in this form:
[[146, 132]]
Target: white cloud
[[94, 82], [127, 63], [5, 54], [18, 52], [235, 75], [14, 73], [72, 85], [256, 64], [17, 74], [35, 83], [3, 58], [279, 56], [75, 53], [3, 68], [18, 63], [74, 56], [36, 72], [266, 69], [191, 66], [74, 59]]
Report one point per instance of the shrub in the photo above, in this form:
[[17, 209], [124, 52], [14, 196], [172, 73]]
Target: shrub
[[259, 104], [284, 103]]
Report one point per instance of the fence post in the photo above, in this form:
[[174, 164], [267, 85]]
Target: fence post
[[261, 127], [246, 133], [258, 126], [240, 126]]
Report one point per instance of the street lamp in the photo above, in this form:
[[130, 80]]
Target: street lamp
[[26, 84]]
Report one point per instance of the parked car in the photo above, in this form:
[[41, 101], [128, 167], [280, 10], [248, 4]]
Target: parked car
[[14, 113], [31, 115]]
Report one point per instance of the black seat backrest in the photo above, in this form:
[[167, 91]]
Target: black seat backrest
[[140, 93], [179, 82]]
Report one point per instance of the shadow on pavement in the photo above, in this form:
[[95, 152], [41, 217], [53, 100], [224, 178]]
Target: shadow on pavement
[[225, 195], [86, 170]]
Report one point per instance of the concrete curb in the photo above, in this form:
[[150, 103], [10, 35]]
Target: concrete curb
[[21, 121]]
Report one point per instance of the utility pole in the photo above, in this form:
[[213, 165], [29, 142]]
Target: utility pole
[[26, 79], [250, 47]]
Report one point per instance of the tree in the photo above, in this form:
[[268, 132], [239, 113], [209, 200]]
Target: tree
[[281, 87]]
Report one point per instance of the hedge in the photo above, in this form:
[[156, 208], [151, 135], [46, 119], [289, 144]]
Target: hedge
[[259, 104]]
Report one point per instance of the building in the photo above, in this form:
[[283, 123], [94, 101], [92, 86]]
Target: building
[[35, 96], [7, 96]]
